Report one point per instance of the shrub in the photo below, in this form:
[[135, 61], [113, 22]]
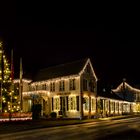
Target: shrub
[[53, 115]]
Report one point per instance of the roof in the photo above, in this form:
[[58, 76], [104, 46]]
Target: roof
[[127, 92], [67, 69], [110, 95], [127, 87]]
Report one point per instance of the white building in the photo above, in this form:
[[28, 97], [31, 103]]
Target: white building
[[68, 89], [129, 93]]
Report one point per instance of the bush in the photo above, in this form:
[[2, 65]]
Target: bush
[[53, 115]]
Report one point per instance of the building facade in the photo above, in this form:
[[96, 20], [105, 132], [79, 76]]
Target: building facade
[[129, 93], [70, 90]]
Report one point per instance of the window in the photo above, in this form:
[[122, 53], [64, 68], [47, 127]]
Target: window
[[56, 103], [85, 84], [86, 103], [92, 86], [61, 86], [72, 103], [52, 86], [36, 87], [44, 87], [93, 104], [112, 106], [64, 103], [72, 84], [125, 107], [120, 106], [33, 88], [116, 106], [30, 88], [106, 105]]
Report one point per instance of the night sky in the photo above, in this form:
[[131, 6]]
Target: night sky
[[113, 48]]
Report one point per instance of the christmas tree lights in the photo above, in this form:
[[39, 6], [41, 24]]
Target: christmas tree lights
[[8, 98]]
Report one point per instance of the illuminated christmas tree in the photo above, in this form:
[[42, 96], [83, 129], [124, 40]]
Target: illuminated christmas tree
[[8, 98]]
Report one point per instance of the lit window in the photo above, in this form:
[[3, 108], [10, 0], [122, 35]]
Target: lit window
[[106, 105], [93, 104], [112, 106], [56, 103], [120, 107], [86, 103], [44, 87], [36, 87], [116, 106], [72, 103]]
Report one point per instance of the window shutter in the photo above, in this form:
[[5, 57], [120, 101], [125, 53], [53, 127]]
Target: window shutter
[[52, 104], [77, 102]]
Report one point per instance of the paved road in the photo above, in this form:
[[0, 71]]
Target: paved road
[[105, 130]]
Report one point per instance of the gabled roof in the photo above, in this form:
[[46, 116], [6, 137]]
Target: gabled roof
[[127, 87], [125, 91], [67, 69]]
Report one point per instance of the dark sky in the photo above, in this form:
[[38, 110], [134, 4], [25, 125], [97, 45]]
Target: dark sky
[[113, 48]]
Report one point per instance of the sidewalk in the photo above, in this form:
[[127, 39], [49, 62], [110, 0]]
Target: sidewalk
[[10, 127]]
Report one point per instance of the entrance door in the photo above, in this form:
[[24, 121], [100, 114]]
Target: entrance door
[[63, 106]]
